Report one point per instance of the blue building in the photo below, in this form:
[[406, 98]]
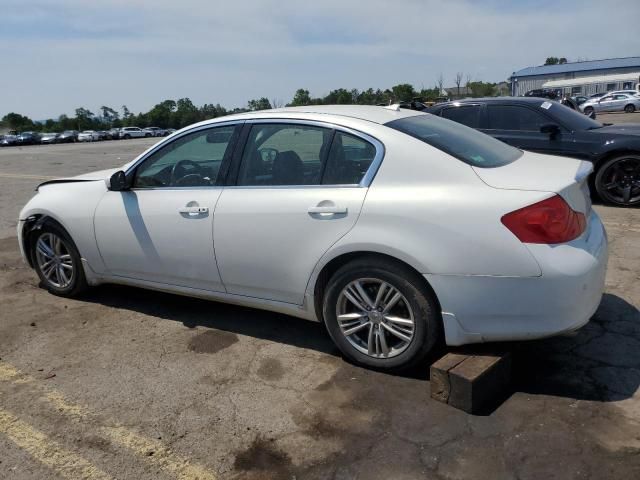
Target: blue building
[[579, 78]]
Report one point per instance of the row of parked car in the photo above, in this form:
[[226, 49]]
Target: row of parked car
[[627, 101], [72, 136]]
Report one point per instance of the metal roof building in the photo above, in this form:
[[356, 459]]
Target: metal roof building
[[577, 78]]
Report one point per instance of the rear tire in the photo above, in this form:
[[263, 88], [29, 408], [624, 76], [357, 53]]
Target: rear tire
[[630, 108], [127, 136], [410, 327], [588, 110], [57, 261]]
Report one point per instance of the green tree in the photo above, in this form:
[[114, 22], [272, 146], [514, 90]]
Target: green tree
[[301, 98], [403, 92], [15, 121], [259, 104], [341, 96], [555, 61], [482, 89]]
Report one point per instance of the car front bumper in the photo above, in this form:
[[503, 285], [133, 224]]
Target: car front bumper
[[489, 308]]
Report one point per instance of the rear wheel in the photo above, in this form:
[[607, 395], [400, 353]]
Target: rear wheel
[[127, 136], [618, 180], [630, 108], [57, 261], [588, 110], [379, 314]]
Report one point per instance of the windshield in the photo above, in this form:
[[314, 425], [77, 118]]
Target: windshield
[[572, 119], [458, 140]]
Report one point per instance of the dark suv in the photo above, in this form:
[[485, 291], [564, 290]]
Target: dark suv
[[546, 126]]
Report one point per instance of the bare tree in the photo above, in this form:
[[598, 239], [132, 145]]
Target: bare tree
[[440, 83], [459, 76], [276, 103]]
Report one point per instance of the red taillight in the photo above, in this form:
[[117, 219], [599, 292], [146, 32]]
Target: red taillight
[[549, 221]]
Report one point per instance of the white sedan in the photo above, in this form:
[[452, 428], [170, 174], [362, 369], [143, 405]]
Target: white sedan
[[395, 228], [88, 136]]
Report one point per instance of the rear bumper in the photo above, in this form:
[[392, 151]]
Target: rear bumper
[[566, 295]]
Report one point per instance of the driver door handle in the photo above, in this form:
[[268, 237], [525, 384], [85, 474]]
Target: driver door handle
[[193, 210], [328, 209]]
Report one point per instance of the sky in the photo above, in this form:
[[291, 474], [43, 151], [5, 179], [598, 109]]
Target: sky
[[58, 55]]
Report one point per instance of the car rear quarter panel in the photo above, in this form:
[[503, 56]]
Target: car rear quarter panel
[[432, 211]]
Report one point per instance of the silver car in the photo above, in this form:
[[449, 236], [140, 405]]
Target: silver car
[[618, 102]]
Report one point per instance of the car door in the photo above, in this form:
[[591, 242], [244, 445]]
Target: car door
[[300, 187], [519, 125], [160, 230], [605, 104]]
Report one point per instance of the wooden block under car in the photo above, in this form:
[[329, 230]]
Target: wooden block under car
[[470, 382]]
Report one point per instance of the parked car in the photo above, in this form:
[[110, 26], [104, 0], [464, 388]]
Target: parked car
[[68, 136], [154, 131], [132, 132], [169, 131], [619, 102], [114, 133], [362, 217], [579, 99], [543, 126], [49, 137], [8, 140], [28, 138], [88, 136], [598, 95], [102, 135]]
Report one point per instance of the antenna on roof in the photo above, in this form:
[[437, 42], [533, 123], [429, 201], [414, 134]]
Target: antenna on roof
[[395, 107]]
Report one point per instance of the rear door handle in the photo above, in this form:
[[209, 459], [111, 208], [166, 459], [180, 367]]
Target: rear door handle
[[328, 209], [193, 210]]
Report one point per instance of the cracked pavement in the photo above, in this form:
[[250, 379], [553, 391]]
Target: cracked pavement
[[147, 385]]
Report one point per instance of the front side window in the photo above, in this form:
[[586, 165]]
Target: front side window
[[188, 161], [284, 154], [464, 143], [513, 117], [468, 115]]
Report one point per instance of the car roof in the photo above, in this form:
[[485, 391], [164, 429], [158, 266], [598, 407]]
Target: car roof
[[530, 100], [369, 113]]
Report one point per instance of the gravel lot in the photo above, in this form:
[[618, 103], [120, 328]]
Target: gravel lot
[[126, 383]]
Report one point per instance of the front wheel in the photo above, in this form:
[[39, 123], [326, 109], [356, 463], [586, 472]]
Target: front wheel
[[618, 180], [588, 111], [380, 315], [630, 108], [57, 261]]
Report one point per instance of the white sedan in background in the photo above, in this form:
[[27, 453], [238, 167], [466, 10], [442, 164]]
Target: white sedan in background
[[133, 132], [613, 102], [88, 136], [395, 228]]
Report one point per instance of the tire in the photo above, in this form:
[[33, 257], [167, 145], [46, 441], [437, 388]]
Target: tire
[[67, 254], [416, 304], [127, 136], [588, 110], [630, 108], [617, 180], [147, 135]]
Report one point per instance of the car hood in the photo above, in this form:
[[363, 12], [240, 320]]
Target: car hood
[[621, 129], [86, 177]]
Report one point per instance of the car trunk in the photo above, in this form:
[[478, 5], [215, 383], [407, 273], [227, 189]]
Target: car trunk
[[546, 173]]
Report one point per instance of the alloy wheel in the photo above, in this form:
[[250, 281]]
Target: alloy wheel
[[375, 318], [621, 181], [53, 257]]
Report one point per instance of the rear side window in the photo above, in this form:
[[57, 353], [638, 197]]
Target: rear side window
[[349, 159], [457, 140], [468, 115]]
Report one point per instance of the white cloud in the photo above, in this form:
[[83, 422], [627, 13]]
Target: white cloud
[[58, 55]]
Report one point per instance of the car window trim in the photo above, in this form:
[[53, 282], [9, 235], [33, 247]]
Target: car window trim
[[364, 183], [224, 167]]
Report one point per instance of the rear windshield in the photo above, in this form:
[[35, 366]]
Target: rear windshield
[[462, 142]]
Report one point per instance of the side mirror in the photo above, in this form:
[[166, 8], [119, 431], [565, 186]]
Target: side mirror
[[118, 181], [551, 128]]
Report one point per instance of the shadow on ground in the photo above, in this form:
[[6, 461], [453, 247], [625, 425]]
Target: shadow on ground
[[599, 362]]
